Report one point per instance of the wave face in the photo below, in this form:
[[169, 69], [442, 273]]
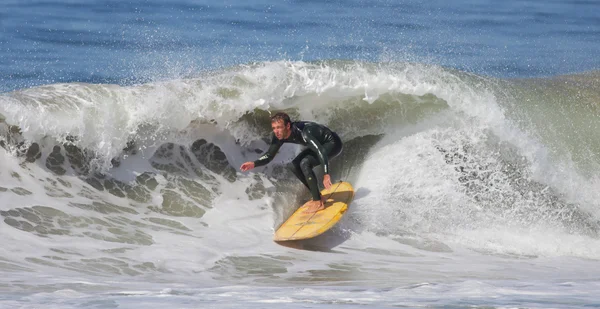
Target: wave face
[[143, 180]]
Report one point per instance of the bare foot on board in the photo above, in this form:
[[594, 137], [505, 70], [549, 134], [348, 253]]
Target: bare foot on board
[[315, 206]]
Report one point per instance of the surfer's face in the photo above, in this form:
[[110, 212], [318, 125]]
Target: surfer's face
[[280, 129]]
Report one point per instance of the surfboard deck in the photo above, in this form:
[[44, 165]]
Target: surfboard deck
[[303, 226]]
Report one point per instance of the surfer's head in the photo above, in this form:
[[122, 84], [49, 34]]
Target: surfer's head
[[280, 123]]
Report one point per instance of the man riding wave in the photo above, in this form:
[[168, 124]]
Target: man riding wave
[[322, 145]]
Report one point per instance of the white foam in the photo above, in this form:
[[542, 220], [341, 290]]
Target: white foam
[[106, 117], [413, 196]]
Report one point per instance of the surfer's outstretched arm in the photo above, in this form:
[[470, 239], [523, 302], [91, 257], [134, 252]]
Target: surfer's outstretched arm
[[266, 157]]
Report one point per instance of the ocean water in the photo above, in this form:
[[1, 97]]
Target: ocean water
[[470, 134]]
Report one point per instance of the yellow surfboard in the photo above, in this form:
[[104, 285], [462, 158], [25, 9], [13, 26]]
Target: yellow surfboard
[[302, 226]]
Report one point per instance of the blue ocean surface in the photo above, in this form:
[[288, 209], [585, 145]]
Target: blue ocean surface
[[136, 41], [470, 133]]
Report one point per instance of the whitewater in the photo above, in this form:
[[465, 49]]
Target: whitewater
[[143, 197]]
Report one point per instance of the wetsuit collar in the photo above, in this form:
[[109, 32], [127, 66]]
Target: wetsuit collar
[[289, 132]]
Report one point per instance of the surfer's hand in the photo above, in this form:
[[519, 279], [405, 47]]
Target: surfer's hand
[[247, 166], [327, 181]]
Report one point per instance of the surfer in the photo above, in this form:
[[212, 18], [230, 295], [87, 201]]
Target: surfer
[[323, 144]]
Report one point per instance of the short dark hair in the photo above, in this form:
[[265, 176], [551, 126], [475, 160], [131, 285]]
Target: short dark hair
[[281, 116]]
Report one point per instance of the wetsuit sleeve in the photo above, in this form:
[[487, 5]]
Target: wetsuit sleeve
[[270, 154], [310, 137]]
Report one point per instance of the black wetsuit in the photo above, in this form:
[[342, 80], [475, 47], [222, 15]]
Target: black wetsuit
[[323, 144]]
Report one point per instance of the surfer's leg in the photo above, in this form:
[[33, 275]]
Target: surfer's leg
[[306, 165], [302, 166], [297, 170], [333, 149], [303, 169]]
